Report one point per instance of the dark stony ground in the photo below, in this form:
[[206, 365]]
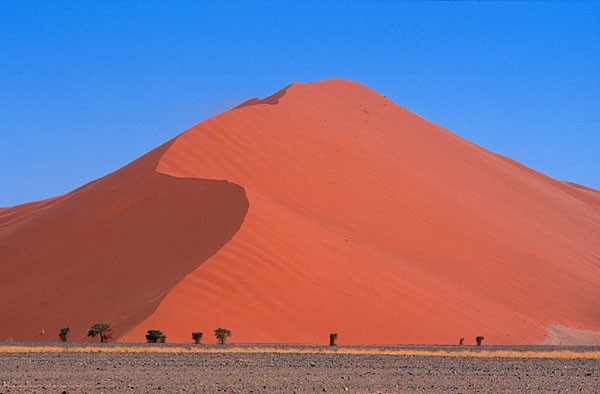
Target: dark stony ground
[[56, 372]]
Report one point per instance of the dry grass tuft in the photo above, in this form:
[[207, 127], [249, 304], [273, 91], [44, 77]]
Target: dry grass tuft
[[304, 350]]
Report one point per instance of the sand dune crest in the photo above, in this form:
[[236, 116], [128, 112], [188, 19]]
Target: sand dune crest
[[328, 208]]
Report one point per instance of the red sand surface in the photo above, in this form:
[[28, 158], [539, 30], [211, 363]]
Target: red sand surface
[[109, 251], [323, 208]]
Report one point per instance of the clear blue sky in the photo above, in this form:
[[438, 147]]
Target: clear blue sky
[[86, 87]]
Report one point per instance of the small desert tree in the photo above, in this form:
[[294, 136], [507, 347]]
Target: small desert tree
[[222, 334], [155, 336], [64, 334], [478, 339], [332, 339], [101, 329], [197, 337]]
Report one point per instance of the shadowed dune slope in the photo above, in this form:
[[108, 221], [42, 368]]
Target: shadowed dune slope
[[109, 251], [322, 208], [370, 221]]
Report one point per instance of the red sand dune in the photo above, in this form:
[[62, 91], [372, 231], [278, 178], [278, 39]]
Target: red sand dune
[[323, 208]]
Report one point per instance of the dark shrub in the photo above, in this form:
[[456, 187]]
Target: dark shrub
[[332, 339], [155, 336], [64, 334], [197, 337], [222, 334], [101, 329]]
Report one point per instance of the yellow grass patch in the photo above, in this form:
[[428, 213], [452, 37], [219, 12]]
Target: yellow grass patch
[[303, 350]]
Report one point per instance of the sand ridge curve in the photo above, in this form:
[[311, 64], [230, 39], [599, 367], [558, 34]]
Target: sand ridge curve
[[367, 220], [109, 251]]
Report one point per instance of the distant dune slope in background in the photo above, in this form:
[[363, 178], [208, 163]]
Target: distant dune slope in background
[[323, 208]]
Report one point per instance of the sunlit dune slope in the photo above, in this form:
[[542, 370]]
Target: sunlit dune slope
[[325, 208], [372, 222]]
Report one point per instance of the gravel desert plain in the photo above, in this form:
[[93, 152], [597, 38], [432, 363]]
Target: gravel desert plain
[[117, 368]]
